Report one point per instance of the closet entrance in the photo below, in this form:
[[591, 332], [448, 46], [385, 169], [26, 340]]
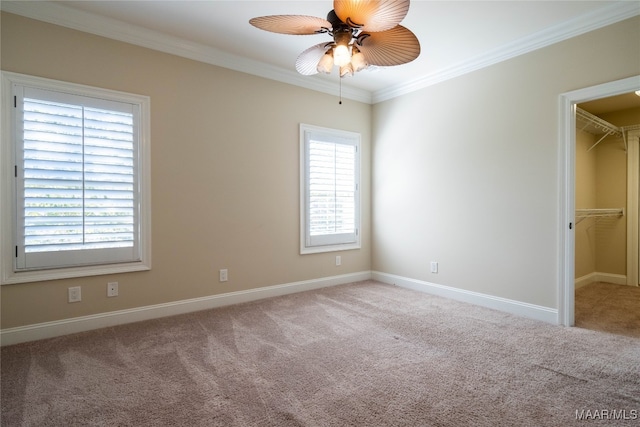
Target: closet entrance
[[606, 190], [599, 236], [607, 297]]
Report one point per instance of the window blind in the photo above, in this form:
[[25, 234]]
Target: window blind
[[78, 177], [332, 189], [79, 201], [330, 197]]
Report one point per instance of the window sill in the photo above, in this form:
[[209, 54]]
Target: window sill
[[328, 248], [66, 273]]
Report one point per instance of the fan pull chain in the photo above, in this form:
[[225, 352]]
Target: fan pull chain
[[340, 79]]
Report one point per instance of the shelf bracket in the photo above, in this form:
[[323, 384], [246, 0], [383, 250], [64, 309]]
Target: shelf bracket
[[600, 140]]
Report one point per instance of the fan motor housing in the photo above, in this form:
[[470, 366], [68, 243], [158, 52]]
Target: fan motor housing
[[334, 20]]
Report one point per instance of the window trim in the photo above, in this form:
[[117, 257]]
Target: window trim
[[332, 135], [8, 274]]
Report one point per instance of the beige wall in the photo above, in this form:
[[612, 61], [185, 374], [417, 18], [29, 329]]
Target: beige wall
[[225, 175], [628, 117], [586, 179], [466, 172], [611, 188], [611, 192]]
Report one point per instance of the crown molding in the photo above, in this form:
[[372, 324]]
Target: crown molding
[[106, 27], [585, 23], [117, 30]]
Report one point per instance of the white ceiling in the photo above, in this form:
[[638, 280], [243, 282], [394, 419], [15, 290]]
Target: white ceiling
[[455, 36]]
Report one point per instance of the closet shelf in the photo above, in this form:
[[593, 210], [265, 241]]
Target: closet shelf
[[598, 213], [595, 125], [602, 128]]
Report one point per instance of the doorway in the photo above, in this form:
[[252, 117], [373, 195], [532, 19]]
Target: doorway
[[567, 217]]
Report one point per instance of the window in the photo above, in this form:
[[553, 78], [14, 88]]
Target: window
[[80, 189], [330, 189]]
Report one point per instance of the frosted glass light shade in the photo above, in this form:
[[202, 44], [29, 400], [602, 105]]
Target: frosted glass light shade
[[358, 62], [346, 70], [326, 63], [341, 55]]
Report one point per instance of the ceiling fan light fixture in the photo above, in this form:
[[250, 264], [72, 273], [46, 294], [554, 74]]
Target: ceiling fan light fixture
[[346, 70], [341, 55], [342, 50], [358, 61], [326, 62], [365, 34]]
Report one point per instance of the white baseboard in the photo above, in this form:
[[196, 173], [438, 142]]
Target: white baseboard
[[618, 279], [585, 280], [86, 323], [545, 314]]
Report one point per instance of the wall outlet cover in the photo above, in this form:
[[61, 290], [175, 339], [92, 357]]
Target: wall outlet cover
[[112, 289], [75, 294]]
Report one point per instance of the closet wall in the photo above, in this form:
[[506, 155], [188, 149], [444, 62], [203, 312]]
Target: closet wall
[[585, 245], [601, 183]]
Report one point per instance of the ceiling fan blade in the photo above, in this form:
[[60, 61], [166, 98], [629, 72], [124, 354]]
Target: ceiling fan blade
[[291, 24], [371, 15], [307, 62], [392, 47]]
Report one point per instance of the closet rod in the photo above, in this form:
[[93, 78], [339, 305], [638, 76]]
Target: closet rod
[[598, 213]]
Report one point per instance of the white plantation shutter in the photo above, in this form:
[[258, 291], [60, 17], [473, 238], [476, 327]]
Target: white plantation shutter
[[331, 189], [330, 180], [76, 180]]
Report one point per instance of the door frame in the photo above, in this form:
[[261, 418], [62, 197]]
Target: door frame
[[567, 176], [633, 205]]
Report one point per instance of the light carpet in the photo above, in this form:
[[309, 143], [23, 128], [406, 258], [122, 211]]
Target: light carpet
[[364, 354], [608, 307]]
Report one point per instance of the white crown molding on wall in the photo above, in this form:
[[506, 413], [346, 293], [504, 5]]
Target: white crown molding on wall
[[600, 18], [117, 30]]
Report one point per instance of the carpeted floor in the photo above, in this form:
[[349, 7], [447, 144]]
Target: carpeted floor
[[609, 308], [364, 354]]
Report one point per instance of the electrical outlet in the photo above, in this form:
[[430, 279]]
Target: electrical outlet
[[75, 294], [338, 260], [112, 289], [224, 275], [434, 266]]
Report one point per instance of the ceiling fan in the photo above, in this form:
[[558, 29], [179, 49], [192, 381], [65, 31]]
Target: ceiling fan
[[365, 32]]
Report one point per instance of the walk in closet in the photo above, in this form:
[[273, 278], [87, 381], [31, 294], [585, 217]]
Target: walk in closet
[[606, 217], [607, 248]]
